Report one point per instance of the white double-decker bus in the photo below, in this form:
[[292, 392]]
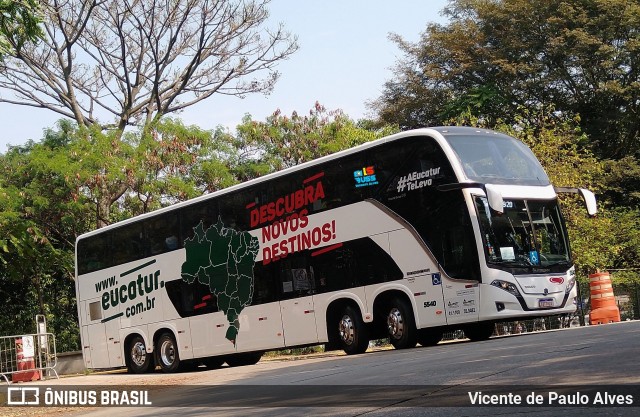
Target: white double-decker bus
[[403, 237]]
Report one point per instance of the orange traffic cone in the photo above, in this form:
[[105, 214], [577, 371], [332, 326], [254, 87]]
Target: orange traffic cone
[[603, 302]]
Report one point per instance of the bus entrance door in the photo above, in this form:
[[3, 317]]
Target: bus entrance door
[[114, 347], [260, 328], [104, 349], [461, 300], [299, 321]]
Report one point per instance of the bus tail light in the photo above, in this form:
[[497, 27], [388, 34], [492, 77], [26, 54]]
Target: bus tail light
[[507, 286]]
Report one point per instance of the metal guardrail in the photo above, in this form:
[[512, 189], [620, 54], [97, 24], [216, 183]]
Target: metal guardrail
[[28, 357]]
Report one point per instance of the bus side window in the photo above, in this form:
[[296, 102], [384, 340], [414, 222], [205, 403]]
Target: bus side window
[[265, 285], [205, 212], [296, 277], [191, 299], [93, 252], [161, 234], [127, 243]]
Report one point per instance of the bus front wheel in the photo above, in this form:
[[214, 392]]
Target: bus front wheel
[[352, 332], [401, 325], [167, 355], [138, 360]]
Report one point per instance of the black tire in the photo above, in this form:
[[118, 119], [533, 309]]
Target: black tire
[[353, 333], [167, 355], [213, 362], [244, 359], [479, 331], [429, 337], [401, 325], [138, 360]]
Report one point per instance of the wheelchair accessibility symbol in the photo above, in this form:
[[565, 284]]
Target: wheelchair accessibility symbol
[[435, 279], [534, 258]]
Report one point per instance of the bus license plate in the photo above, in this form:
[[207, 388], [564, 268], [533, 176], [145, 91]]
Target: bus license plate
[[545, 302]]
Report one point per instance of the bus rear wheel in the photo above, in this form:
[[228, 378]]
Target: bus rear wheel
[[401, 325], [167, 355], [353, 334], [138, 360]]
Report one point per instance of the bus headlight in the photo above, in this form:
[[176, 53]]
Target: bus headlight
[[507, 286], [570, 285]]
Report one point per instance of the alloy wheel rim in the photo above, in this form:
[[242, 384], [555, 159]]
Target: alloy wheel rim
[[395, 323], [167, 353], [138, 354], [347, 330]]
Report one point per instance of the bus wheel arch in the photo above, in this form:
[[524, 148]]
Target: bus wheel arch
[[166, 351], [137, 359], [345, 327], [394, 317]]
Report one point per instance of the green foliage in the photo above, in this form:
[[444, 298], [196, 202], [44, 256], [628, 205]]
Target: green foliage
[[494, 58], [19, 22], [39, 218], [622, 181], [54, 190], [282, 141]]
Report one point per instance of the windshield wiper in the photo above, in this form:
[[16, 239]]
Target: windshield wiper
[[565, 262]]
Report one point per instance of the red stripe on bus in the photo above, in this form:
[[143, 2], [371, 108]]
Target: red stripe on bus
[[206, 297], [313, 178], [197, 306], [248, 206], [327, 249]]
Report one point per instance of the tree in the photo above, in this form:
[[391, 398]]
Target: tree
[[114, 64], [284, 141], [49, 192], [40, 216], [18, 25], [494, 58], [131, 62]]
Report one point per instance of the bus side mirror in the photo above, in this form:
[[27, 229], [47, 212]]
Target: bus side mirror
[[589, 201], [496, 202], [588, 197]]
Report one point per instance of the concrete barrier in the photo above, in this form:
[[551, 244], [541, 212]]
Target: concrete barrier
[[70, 363]]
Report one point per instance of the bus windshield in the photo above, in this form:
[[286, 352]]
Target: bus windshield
[[498, 159], [530, 234]]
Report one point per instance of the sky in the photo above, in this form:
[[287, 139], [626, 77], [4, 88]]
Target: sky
[[344, 59]]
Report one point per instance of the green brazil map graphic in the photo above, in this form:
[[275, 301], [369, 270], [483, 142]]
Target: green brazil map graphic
[[223, 259]]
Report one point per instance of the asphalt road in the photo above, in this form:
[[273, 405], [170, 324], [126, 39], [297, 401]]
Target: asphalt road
[[571, 368]]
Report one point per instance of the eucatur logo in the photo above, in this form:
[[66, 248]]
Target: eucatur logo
[[556, 280]]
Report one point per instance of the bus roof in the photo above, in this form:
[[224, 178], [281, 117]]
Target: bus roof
[[438, 133]]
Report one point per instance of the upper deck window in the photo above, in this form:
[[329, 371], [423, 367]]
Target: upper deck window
[[497, 159]]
